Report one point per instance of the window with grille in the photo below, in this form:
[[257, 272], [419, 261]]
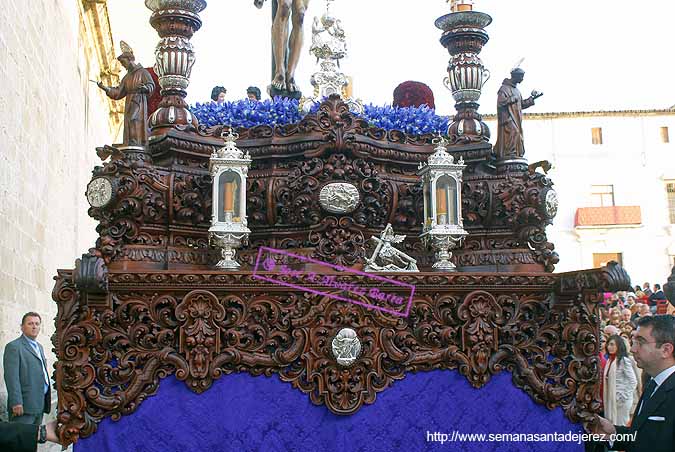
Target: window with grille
[[670, 191], [665, 137], [602, 195], [597, 135]]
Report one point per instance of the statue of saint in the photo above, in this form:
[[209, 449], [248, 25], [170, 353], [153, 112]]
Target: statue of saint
[[136, 87], [510, 106], [286, 48]]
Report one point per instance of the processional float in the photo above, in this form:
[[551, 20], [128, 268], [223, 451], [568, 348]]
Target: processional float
[[171, 288]]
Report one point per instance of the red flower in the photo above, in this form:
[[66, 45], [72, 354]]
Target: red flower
[[413, 94]]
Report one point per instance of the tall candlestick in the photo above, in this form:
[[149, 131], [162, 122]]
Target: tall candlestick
[[441, 206], [229, 197], [441, 201], [461, 5]]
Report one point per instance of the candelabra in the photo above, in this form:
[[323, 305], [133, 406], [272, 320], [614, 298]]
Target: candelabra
[[175, 21], [464, 37]]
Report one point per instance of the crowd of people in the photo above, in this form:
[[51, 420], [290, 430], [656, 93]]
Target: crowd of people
[[622, 379], [637, 373]]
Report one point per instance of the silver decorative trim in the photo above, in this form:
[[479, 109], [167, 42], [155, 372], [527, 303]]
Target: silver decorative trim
[[473, 19], [193, 6], [329, 46], [230, 234], [442, 241], [439, 231]]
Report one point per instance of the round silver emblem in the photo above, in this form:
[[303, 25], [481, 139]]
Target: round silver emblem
[[339, 197], [551, 203], [346, 347], [99, 192]]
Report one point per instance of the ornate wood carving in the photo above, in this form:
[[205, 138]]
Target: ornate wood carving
[[202, 326], [145, 302], [200, 316], [160, 213]]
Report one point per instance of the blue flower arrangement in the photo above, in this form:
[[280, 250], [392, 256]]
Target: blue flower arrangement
[[247, 113], [282, 111], [411, 120]]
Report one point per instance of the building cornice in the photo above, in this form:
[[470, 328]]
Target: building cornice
[[101, 49], [589, 114]]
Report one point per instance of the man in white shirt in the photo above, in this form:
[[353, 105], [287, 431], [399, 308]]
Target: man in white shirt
[[653, 347]]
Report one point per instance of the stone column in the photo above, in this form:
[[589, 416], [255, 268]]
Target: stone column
[[175, 21]]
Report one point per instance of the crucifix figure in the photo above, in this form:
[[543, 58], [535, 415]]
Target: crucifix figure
[[286, 48]]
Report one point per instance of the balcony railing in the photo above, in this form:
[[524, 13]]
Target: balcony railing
[[608, 216]]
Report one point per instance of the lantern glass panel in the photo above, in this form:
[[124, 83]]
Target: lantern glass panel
[[229, 186], [446, 201], [428, 206]]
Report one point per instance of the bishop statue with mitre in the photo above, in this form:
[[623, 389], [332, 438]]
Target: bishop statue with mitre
[[135, 88]]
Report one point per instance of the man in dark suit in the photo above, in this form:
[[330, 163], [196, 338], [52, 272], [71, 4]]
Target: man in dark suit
[[645, 288], [26, 375], [16, 437], [653, 347], [655, 297]]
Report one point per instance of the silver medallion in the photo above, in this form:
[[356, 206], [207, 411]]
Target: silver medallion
[[551, 203], [346, 347], [339, 197], [99, 191]]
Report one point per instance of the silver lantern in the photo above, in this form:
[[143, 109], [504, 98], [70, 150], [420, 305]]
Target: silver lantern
[[443, 226], [229, 168]]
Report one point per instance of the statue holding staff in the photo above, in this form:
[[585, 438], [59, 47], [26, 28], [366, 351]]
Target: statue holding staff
[[136, 87]]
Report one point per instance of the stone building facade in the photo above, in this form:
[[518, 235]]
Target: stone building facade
[[614, 172], [51, 120]]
